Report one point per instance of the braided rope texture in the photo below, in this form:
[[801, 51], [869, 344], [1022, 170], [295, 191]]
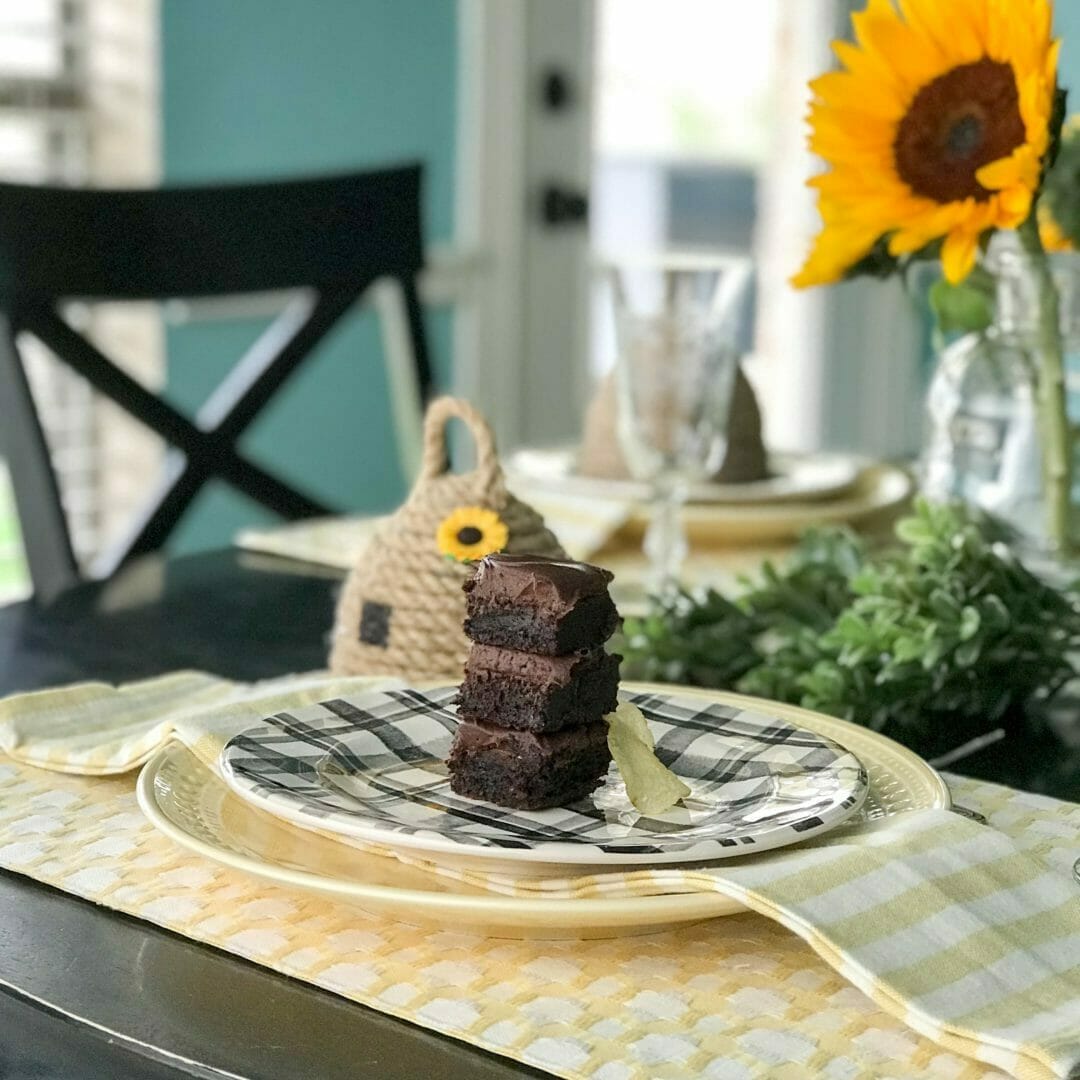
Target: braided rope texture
[[403, 569]]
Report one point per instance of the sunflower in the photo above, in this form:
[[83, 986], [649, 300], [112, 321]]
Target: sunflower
[[471, 532], [936, 128]]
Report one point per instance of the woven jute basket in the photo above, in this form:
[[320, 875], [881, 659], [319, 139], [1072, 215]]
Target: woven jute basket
[[403, 606]]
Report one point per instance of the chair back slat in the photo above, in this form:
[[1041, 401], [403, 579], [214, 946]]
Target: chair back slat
[[328, 232]]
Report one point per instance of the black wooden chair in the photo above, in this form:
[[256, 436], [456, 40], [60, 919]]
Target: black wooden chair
[[333, 237]]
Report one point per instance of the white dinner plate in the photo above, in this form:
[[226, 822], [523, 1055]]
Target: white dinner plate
[[188, 803], [795, 478], [372, 768]]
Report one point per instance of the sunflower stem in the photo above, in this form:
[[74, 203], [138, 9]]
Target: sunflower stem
[[1053, 416]]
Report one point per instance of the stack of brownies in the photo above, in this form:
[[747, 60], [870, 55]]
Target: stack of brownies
[[538, 682]]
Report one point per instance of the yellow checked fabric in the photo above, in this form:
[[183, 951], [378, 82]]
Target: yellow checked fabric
[[735, 997]]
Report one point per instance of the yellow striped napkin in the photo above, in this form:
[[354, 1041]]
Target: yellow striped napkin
[[945, 923]]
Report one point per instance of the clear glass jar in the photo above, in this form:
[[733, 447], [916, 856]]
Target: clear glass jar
[[982, 440]]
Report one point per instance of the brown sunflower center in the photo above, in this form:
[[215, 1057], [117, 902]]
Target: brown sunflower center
[[470, 534], [955, 125]]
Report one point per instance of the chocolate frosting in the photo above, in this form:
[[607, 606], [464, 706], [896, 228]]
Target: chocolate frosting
[[475, 735], [534, 581], [536, 668]]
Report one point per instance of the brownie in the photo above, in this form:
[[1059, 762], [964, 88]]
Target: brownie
[[539, 605], [526, 771], [534, 692]]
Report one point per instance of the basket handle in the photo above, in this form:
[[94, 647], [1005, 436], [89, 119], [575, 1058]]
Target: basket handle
[[435, 461]]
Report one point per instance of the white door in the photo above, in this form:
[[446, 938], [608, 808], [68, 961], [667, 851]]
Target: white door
[[524, 168], [683, 122]]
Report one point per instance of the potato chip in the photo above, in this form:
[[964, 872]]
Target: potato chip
[[651, 786]]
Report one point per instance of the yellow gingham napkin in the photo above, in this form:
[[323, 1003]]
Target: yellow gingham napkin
[[945, 923]]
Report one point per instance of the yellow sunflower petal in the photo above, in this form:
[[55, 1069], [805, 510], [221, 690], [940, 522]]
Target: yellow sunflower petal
[[1020, 169], [1014, 206], [913, 58], [1051, 233], [958, 255], [908, 241], [839, 89], [1000, 40], [877, 129], [1002, 173], [1036, 107], [836, 249], [958, 30], [842, 132], [868, 69], [1040, 21], [1050, 64]]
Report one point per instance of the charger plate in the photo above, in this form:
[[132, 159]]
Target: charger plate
[[372, 767], [795, 477], [188, 803], [880, 494]]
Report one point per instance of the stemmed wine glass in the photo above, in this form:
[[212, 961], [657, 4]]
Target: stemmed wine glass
[[680, 327]]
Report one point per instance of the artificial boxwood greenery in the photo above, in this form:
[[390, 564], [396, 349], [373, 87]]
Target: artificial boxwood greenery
[[933, 641]]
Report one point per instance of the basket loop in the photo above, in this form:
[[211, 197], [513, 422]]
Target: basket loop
[[435, 461]]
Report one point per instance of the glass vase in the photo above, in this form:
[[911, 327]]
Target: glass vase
[[983, 432]]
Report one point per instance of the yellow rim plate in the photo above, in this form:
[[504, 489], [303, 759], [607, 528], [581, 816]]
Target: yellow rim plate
[[187, 802], [880, 493], [797, 478]]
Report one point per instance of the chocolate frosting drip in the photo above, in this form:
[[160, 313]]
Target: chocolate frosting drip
[[474, 735], [537, 668], [534, 581]]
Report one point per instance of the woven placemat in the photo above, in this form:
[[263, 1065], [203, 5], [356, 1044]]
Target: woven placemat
[[733, 997]]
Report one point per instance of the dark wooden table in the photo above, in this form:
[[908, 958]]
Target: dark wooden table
[[93, 994]]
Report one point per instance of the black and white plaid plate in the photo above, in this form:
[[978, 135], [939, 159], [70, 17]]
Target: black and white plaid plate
[[372, 767]]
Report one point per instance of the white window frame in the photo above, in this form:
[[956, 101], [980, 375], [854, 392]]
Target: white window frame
[[521, 338], [839, 365]]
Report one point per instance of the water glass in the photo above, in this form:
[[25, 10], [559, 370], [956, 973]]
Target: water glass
[[681, 327]]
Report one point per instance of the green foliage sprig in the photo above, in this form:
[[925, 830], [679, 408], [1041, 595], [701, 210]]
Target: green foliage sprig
[[1061, 185], [933, 642]]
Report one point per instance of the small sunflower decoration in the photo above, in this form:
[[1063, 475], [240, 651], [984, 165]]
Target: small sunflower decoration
[[471, 532], [937, 129]]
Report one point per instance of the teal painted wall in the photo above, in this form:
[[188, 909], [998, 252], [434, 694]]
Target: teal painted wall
[[262, 88], [1067, 27]]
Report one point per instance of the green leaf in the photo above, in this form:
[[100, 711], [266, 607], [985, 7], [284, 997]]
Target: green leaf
[[1061, 190], [944, 606], [929, 641], [995, 615], [970, 623], [914, 530], [907, 649], [967, 653], [1057, 120], [964, 308], [852, 627], [878, 262]]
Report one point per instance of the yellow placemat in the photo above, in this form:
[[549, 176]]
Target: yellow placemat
[[734, 997], [86, 836]]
